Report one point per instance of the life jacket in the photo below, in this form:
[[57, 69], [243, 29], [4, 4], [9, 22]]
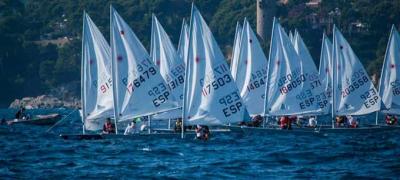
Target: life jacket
[[284, 122]]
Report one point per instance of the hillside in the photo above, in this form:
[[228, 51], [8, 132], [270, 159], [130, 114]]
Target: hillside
[[40, 40]]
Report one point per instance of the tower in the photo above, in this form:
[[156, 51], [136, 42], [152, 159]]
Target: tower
[[265, 13]]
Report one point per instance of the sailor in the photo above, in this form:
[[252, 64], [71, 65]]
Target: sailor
[[340, 121], [200, 132], [256, 121], [390, 119], [20, 113], [284, 122], [353, 123], [178, 125], [3, 121], [206, 132], [108, 127], [131, 128], [312, 122]]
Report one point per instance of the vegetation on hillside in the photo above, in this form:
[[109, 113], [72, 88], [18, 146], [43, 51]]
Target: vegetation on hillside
[[30, 67]]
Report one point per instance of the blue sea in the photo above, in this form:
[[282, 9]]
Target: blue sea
[[28, 152]]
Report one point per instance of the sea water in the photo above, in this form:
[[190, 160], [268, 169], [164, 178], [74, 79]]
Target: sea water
[[27, 151]]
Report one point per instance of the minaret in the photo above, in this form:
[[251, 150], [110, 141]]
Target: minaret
[[265, 13]]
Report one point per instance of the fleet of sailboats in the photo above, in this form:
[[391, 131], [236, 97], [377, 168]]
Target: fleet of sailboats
[[195, 83]]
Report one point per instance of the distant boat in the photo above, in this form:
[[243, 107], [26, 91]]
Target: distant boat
[[43, 120]]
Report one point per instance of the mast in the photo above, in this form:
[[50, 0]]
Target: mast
[[268, 72], [184, 115], [333, 78], [113, 65], [82, 76]]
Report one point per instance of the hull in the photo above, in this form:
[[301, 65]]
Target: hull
[[44, 120], [160, 133]]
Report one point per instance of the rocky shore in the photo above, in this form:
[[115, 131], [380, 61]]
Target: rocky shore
[[46, 101]]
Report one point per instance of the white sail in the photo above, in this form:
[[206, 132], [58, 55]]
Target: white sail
[[139, 89], [183, 41], [211, 96], [316, 85], [171, 65], [354, 93], [97, 93], [389, 84], [251, 72], [290, 83], [236, 50], [291, 37], [325, 67], [163, 53]]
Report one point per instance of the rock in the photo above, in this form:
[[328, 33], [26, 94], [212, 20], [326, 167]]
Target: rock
[[45, 101]]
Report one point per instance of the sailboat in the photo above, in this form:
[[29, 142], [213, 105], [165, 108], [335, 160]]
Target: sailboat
[[210, 94], [293, 88], [325, 68], [171, 66], [389, 86], [251, 71], [96, 78]]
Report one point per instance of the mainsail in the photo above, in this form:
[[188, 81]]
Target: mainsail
[[163, 53], [291, 37], [389, 84], [325, 67], [290, 83], [251, 73], [139, 89], [236, 50], [171, 65], [97, 93], [316, 85], [183, 41], [353, 91], [211, 96]]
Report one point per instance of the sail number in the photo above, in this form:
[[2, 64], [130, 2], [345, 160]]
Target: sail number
[[293, 84], [136, 83], [256, 84], [354, 86], [216, 84], [370, 98], [231, 103]]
